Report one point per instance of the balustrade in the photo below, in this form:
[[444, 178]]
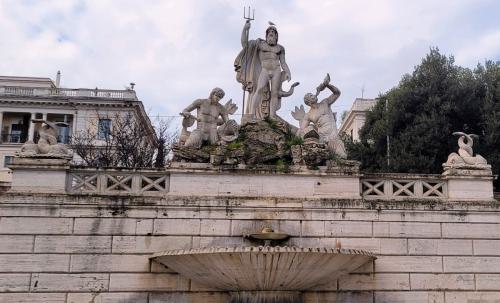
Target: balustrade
[[392, 186], [117, 182], [68, 92], [139, 182]]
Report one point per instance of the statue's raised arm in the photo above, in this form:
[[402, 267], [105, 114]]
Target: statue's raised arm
[[335, 93], [326, 84], [245, 33]]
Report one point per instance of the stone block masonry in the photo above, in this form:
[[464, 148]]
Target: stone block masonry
[[72, 248]]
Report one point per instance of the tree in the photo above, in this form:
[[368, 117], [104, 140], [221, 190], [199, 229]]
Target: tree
[[128, 143], [166, 139], [420, 114], [489, 90]]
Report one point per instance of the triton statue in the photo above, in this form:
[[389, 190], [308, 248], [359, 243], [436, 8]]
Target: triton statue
[[210, 115], [320, 118]]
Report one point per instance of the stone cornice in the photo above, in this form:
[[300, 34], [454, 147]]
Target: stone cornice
[[64, 101]]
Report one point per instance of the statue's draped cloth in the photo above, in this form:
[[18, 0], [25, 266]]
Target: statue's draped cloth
[[248, 67]]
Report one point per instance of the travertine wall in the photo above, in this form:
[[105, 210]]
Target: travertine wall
[[70, 248]]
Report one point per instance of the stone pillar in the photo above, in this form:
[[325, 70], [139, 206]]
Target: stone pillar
[[468, 175], [39, 175], [73, 127], [469, 183], [31, 129], [1, 126]]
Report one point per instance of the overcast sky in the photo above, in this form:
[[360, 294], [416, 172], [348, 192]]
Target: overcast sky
[[177, 51]]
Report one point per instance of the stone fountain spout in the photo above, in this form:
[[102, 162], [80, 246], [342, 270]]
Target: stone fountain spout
[[264, 274], [266, 297], [268, 237]]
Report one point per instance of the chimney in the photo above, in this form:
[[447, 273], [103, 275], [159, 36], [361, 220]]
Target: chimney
[[58, 78]]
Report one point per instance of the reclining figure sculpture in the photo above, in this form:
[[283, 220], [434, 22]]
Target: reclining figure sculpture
[[47, 144]]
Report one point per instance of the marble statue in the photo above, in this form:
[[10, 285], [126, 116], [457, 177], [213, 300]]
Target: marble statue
[[465, 155], [261, 69], [320, 120], [213, 124], [47, 144]]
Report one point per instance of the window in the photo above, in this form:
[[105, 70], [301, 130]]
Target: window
[[16, 133], [7, 160], [104, 128]]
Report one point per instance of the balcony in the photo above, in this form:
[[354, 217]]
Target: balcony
[[68, 92], [22, 138], [13, 137]]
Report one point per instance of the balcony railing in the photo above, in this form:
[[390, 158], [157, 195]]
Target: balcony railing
[[22, 138], [13, 138], [68, 92]]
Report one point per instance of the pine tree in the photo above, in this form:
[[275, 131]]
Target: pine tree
[[420, 114]]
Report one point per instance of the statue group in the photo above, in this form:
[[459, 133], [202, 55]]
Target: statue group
[[262, 70]]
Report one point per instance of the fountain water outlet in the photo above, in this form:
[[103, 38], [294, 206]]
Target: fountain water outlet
[[264, 274]]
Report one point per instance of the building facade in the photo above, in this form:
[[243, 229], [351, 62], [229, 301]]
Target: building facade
[[356, 117], [25, 98]]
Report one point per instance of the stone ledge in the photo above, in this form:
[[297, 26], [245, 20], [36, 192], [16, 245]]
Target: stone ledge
[[349, 168]]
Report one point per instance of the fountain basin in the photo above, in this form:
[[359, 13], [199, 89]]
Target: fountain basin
[[263, 268]]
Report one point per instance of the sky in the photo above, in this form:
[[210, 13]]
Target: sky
[[177, 51]]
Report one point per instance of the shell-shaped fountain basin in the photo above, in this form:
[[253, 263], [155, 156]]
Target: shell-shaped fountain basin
[[263, 268]]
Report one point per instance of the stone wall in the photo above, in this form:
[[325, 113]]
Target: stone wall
[[89, 248]]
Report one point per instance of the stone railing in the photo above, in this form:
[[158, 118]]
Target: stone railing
[[67, 92], [155, 182], [403, 186], [114, 182], [204, 180]]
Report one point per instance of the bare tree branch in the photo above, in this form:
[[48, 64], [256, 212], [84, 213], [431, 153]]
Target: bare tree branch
[[128, 143]]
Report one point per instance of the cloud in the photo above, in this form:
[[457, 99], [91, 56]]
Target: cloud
[[177, 51], [483, 47]]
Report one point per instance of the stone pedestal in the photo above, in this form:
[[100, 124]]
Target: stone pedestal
[[39, 175], [469, 183], [297, 182]]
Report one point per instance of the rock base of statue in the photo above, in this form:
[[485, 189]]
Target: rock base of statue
[[312, 154], [263, 142], [192, 154], [260, 142]]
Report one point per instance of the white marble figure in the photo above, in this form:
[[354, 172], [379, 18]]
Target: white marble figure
[[261, 68], [47, 144], [213, 124], [320, 118], [465, 154]]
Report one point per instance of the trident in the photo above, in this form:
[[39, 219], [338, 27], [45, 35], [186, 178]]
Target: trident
[[248, 17]]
